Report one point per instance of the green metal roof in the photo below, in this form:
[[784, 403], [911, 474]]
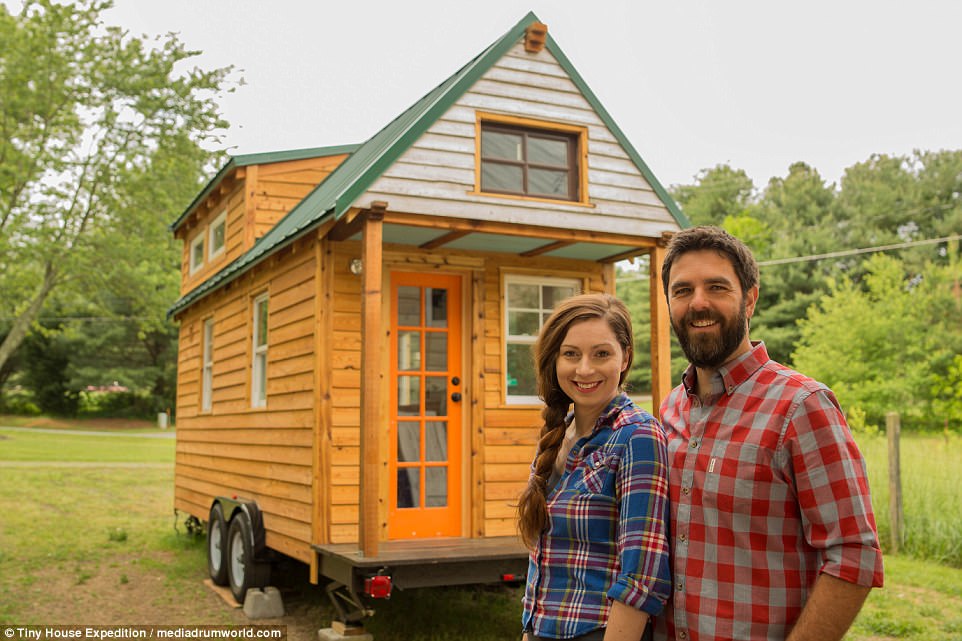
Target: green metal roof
[[337, 193], [243, 160]]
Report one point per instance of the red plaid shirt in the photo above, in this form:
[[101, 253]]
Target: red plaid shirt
[[768, 490]]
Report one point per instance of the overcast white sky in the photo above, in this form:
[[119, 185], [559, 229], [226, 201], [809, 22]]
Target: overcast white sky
[[757, 84]]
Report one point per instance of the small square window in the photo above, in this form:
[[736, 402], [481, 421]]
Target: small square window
[[529, 161]]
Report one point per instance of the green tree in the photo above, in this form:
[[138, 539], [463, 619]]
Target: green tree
[[797, 211], [718, 193], [879, 343], [85, 107]]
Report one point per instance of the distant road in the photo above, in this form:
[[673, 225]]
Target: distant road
[[45, 430]]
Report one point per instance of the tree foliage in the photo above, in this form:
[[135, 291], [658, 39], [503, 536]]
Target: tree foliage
[[87, 112], [882, 345]]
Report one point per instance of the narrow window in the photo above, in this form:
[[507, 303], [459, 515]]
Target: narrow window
[[259, 363], [529, 162], [196, 253], [207, 375], [528, 303], [218, 234]]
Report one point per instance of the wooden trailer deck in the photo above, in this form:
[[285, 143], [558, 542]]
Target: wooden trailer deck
[[427, 562]]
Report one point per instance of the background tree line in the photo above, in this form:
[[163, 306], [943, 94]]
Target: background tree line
[[102, 144]]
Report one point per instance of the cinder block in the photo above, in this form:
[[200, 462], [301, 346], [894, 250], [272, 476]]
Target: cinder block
[[263, 604], [329, 634]]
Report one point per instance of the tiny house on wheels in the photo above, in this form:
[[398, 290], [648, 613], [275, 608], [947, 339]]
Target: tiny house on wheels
[[355, 387]]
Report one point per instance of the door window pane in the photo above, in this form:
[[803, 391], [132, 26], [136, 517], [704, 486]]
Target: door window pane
[[409, 395], [436, 345], [408, 350], [435, 307], [408, 487], [409, 442], [436, 441], [436, 396], [435, 487], [409, 306]]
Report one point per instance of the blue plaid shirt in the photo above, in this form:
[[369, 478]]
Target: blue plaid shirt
[[607, 534]]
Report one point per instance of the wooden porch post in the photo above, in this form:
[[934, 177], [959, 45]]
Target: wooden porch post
[[372, 377], [660, 331]]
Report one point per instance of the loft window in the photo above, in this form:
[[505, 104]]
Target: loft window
[[529, 161], [528, 302], [197, 253], [218, 233]]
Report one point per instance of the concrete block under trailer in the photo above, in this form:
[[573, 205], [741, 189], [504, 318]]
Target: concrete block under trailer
[[238, 557]]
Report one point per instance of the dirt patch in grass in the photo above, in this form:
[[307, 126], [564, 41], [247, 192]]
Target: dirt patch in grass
[[135, 590]]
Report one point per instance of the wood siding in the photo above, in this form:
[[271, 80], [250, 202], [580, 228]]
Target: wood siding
[[264, 454], [437, 174]]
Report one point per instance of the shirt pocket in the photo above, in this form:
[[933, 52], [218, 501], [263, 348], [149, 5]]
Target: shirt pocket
[[598, 470]]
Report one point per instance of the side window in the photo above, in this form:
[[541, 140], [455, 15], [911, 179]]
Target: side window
[[529, 161], [528, 303], [197, 252], [218, 234], [207, 370], [259, 361]]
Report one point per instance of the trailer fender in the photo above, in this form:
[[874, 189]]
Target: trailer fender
[[231, 506]]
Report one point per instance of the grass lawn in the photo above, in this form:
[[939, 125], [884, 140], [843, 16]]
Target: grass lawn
[[97, 545]]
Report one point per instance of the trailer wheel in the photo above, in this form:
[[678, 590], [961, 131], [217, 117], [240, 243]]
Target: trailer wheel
[[217, 545], [243, 571]]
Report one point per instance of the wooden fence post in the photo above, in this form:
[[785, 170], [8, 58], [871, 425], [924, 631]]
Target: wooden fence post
[[896, 518]]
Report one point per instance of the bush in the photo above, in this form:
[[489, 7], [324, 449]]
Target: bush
[[128, 404]]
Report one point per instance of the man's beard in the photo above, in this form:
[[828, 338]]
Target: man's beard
[[710, 351]]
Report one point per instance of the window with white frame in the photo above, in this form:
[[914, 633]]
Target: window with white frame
[[217, 236], [207, 373], [197, 252], [528, 303], [259, 361]]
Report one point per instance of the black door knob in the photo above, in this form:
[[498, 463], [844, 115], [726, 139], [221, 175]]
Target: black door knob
[[456, 397]]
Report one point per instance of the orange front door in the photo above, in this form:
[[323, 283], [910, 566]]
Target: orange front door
[[425, 411]]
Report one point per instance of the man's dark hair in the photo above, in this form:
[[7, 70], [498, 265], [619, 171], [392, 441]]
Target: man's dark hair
[[708, 237]]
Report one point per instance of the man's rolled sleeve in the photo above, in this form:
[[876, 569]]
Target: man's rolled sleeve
[[833, 491]]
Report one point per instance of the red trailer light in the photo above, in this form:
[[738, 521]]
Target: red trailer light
[[508, 578], [378, 587]]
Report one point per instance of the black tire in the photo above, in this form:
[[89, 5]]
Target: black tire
[[243, 572], [217, 545]]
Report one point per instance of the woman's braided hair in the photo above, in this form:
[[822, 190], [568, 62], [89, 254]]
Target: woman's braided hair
[[532, 505]]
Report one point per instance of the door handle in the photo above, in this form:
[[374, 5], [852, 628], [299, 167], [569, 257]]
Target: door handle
[[456, 397]]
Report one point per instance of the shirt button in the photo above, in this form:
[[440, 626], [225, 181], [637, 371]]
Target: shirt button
[[679, 586], [682, 635], [731, 388], [597, 464], [685, 491], [682, 537], [693, 444]]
